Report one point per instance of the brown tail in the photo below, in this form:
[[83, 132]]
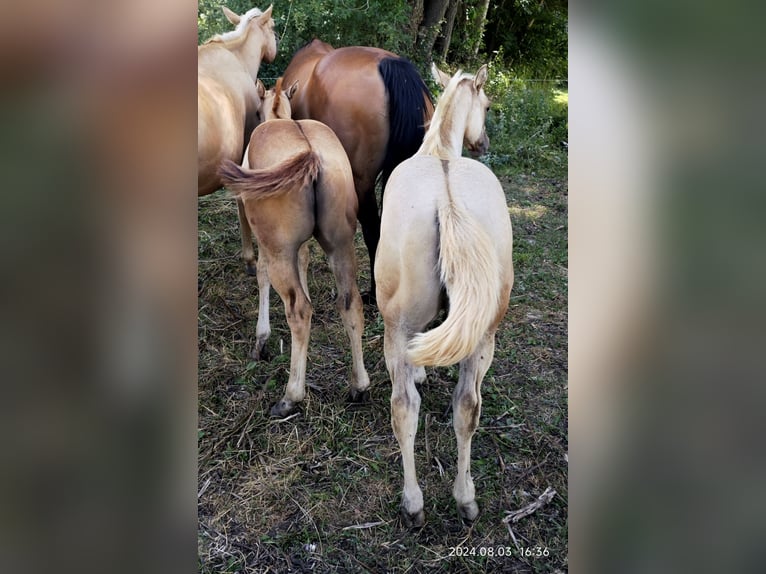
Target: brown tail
[[292, 174]]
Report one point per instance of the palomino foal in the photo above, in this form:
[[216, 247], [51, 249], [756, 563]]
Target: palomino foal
[[445, 227], [228, 101], [296, 183]]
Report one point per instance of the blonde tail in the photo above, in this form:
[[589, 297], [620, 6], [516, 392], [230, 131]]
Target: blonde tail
[[470, 271]]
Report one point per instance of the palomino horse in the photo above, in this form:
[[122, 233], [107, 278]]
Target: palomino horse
[[228, 101], [274, 105], [445, 227], [298, 184], [375, 102]]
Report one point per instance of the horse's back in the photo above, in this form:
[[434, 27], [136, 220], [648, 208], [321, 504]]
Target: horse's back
[[336, 194], [276, 141], [227, 100], [418, 185]]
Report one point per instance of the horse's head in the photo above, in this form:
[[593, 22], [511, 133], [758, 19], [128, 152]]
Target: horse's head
[[276, 102], [258, 28], [476, 106], [476, 139]]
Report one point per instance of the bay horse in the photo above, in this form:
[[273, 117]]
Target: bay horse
[[295, 183], [229, 100], [445, 233], [375, 102]]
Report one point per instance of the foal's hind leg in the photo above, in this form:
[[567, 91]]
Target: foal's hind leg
[[343, 264], [246, 234], [405, 406], [466, 406], [284, 275]]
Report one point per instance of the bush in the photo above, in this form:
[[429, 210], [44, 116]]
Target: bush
[[527, 124]]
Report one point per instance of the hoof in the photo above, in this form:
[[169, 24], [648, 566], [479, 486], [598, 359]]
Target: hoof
[[468, 512], [251, 269], [416, 520], [259, 352], [356, 396], [282, 409]]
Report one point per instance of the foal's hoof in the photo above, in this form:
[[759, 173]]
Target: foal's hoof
[[416, 520], [282, 409], [356, 396], [468, 512], [251, 269], [259, 352]]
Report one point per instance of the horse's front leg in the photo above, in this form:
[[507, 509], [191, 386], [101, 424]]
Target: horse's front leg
[[263, 328], [246, 235]]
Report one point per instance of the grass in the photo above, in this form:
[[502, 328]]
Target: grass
[[320, 492]]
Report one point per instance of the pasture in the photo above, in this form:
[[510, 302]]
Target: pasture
[[319, 491]]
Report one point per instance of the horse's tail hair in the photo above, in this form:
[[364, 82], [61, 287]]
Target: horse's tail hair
[[291, 175], [470, 271], [407, 96]]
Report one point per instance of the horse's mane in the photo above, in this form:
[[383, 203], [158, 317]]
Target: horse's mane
[[437, 139], [238, 34]]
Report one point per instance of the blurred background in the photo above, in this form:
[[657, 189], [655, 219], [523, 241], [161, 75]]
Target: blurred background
[[98, 329]]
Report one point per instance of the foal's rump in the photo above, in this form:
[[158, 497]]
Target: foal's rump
[[457, 217], [297, 170]]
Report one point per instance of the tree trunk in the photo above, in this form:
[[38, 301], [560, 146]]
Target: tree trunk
[[449, 25], [415, 20], [433, 14], [483, 7]]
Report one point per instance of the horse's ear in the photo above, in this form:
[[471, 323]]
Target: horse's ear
[[261, 88], [439, 77], [232, 17], [266, 14], [292, 89], [481, 78]]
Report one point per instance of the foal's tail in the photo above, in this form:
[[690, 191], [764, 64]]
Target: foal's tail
[[291, 175], [470, 271], [410, 106]]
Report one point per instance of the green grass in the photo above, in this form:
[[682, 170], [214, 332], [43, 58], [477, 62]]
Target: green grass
[[320, 492]]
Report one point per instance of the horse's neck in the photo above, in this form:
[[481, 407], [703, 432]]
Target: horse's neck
[[444, 138], [248, 50], [250, 54]]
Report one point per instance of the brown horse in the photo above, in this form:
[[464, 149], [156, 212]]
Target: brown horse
[[445, 228], [297, 183], [229, 99], [375, 102]]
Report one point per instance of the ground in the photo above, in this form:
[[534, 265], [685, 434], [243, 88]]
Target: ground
[[320, 491]]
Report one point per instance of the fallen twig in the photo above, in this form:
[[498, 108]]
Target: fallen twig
[[363, 526], [542, 500]]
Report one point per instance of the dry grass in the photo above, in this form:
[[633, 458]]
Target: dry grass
[[320, 491]]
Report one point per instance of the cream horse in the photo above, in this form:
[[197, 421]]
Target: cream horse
[[445, 227], [295, 183], [229, 100]]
